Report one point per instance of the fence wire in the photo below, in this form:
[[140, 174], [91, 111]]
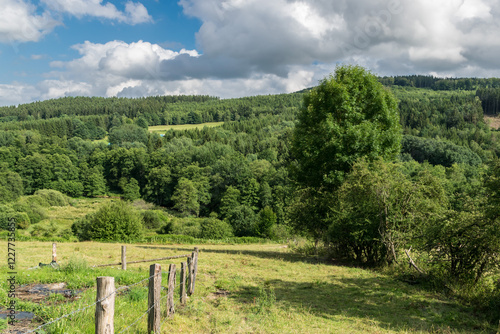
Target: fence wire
[[88, 306]]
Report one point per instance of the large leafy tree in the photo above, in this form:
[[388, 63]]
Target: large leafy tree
[[348, 116]]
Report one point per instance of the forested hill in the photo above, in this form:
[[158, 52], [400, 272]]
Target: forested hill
[[156, 110], [54, 144]]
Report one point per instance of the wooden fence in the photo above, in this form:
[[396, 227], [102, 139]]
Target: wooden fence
[[104, 312], [106, 292]]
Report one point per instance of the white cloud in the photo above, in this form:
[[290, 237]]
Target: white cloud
[[17, 93], [134, 13], [423, 35], [251, 47], [19, 22]]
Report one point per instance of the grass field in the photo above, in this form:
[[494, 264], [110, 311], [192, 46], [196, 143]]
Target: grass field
[[241, 289], [165, 128]]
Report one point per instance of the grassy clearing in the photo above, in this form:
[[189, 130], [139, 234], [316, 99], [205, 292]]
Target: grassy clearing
[[165, 128], [245, 289], [494, 121]]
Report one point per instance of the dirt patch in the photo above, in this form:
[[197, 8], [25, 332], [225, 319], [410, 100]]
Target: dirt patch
[[218, 294], [55, 293], [494, 121], [38, 293]]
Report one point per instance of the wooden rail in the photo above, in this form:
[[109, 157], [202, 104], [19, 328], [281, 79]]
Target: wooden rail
[[141, 261]]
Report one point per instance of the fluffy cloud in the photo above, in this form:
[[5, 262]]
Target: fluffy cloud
[[134, 12], [248, 47], [19, 22], [421, 36], [121, 69]]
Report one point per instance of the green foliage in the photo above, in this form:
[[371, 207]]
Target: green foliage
[[128, 133], [117, 221], [75, 264], [130, 188], [243, 220], [266, 222], [9, 215], [229, 200], [348, 116], [438, 152], [53, 197], [153, 219], [11, 185], [186, 198], [212, 228], [187, 226], [35, 212], [394, 209]]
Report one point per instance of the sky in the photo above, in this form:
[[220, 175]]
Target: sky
[[233, 48]]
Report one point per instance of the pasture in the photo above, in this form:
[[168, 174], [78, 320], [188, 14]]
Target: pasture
[[239, 289]]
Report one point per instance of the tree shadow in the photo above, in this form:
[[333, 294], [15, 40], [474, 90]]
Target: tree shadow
[[379, 301], [264, 254]]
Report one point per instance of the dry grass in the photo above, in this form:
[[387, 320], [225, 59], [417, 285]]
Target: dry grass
[[493, 121]]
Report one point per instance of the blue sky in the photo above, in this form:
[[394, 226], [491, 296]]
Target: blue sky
[[232, 48]]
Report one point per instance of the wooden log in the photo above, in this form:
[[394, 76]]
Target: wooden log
[[54, 255], [105, 307], [124, 257], [189, 285], [154, 299], [171, 288], [183, 294]]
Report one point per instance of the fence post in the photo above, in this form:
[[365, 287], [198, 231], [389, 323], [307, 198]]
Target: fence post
[[54, 255], [190, 267], [124, 257], [195, 268], [183, 283], [154, 298], [105, 307], [171, 288]]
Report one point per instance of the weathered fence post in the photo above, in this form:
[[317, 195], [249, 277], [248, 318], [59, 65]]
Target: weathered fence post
[[190, 268], [54, 255], [183, 283], [195, 264], [124, 257], [105, 307], [171, 288], [154, 298]]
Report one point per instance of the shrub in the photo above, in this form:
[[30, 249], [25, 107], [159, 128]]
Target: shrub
[[35, 212], [190, 227], [153, 219], [212, 228], [53, 197], [112, 222]]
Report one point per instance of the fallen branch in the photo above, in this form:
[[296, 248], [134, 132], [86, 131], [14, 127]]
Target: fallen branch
[[412, 263]]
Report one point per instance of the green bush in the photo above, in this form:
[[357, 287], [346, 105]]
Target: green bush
[[53, 197], [35, 212], [212, 228], [153, 219], [186, 226], [117, 221]]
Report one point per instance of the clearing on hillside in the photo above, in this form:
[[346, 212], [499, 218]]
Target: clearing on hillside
[[165, 128]]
